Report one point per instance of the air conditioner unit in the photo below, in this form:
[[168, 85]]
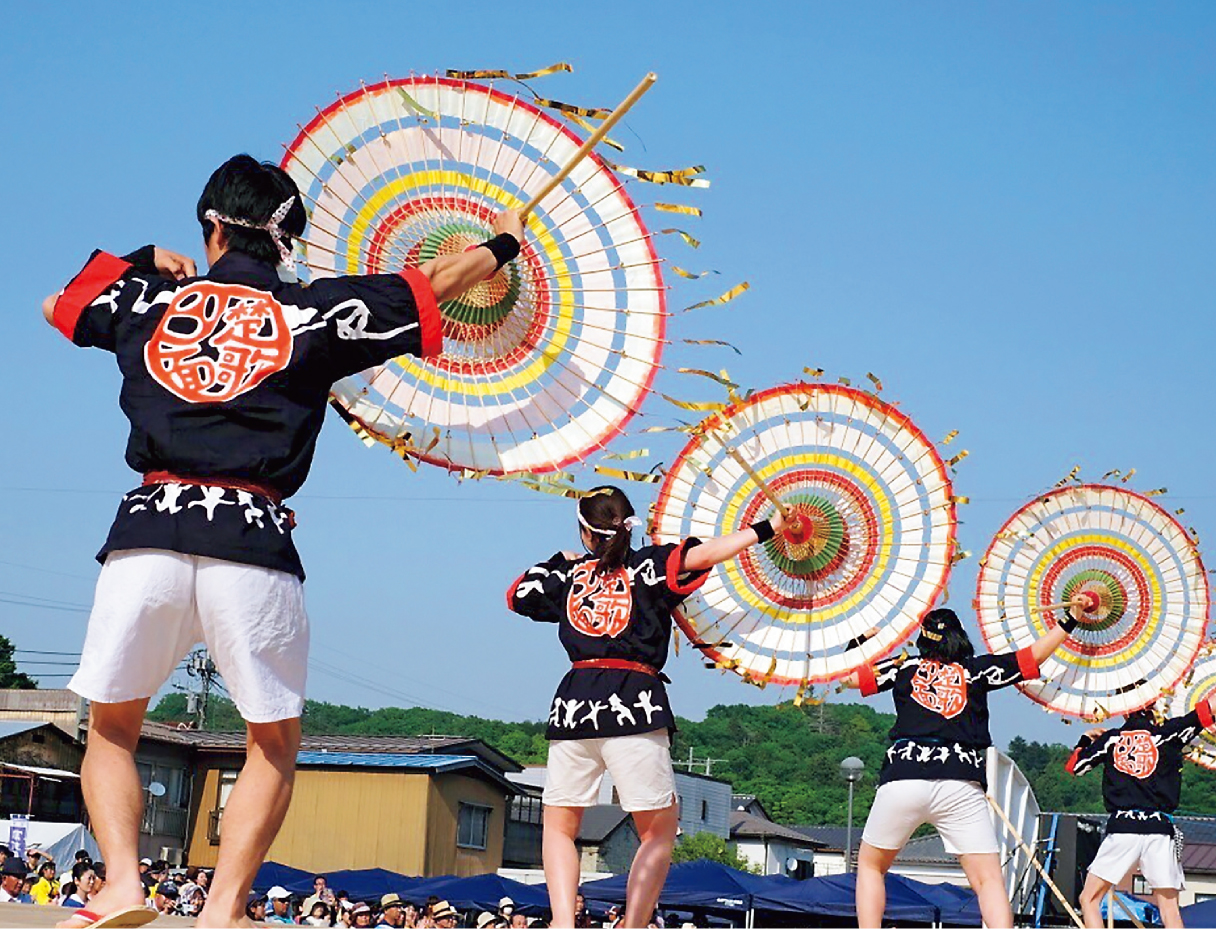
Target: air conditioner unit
[[175, 856]]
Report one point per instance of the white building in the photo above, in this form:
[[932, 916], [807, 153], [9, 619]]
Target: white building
[[770, 847], [705, 802]]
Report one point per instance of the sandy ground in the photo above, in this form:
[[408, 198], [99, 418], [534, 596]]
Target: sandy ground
[[19, 915]]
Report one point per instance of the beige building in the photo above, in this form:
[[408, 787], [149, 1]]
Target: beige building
[[420, 805]]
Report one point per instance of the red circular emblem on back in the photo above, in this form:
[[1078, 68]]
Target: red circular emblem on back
[[940, 688], [599, 604], [217, 341], [1135, 753]]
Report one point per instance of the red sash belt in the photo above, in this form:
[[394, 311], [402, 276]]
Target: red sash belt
[[262, 490], [618, 663]]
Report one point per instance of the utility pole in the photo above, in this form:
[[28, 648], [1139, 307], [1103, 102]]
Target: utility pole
[[199, 665], [705, 764]]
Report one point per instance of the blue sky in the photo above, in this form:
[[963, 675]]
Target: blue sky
[[1005, 210]]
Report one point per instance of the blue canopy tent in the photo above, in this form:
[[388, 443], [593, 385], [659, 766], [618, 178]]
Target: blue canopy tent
[[1200, 914], [363, 884], [957, 906], [273, 874], [835, 896], [481, 892], [704, 885], [1144, 911]]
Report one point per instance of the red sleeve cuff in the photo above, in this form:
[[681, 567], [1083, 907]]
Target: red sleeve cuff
[[866, 681], [1071, 764], [511, 592], [93, 280], [674, 568], [429, 322], [1027, 665], [1204, 710]]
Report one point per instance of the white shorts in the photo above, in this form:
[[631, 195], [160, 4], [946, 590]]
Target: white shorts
[[1122, 851], [957, 809], [640, 766], [152, 607]]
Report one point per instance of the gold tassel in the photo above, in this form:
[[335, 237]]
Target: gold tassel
[[950, 437], [487, 75], [683, 177], [724, 298], [678, 208], [695, 406], [712, 342], [692, 275], [641, 477], [688, 240], [722, 378], [875, 381]]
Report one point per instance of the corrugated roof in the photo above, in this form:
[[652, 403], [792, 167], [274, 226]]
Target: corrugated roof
[[1199, 856], [12, 727], [52, 773], [359, 744], [385, 760], [928, 849], [833, 838], [600, 821], [418, 762], [748, 825]]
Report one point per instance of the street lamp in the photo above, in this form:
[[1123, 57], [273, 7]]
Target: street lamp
[[851, 769]]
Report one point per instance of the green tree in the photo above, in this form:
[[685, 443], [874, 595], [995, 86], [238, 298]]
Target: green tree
[[709, 847], [10, 677]]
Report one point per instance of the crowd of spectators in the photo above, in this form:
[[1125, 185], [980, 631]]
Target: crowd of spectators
[[37, 880]]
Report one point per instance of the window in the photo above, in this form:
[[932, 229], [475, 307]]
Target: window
[[227, 782], [527, 810], [704, 810], [472, 826]]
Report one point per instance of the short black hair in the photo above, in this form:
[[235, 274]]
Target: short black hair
[[83, 855], [943, 638], [251, 190]]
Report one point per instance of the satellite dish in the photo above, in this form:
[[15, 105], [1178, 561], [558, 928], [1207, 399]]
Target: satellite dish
[[156, 789], [791, 864]]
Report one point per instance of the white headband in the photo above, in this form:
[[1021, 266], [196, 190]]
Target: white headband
[[629, 522], [286, 258]]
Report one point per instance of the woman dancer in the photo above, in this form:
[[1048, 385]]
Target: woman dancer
[[611, 712], [934, 771]]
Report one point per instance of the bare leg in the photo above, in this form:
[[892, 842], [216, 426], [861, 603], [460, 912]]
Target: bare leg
[[115, 800], [657, 830], [560, 854], [252, 819], [872, 867], [1091, 900], [987, 880], [1166, 899]]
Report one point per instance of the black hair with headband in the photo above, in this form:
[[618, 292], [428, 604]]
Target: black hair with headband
[[607, 516], [258, 205], [943, 638]]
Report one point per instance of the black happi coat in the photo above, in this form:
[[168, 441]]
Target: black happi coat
[[1141, 769], [624, 616], [226, 377], [941, 712]]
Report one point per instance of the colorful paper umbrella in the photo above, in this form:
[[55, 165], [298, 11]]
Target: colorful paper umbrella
[[1198, 685], [868, 543], [546, 361], [1135, 567]]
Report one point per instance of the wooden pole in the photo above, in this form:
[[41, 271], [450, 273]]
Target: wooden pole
[[1034, 860], [1126, 909], [592, 141], [1110, 908], [1068, 604], [756, 479]]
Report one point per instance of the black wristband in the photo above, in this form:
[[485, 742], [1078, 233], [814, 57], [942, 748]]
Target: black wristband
[[1069, 623], [764, 530], [504, 247], [142, 259]]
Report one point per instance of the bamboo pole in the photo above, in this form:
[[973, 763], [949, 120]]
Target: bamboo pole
[[1034, 860], [592, 141]]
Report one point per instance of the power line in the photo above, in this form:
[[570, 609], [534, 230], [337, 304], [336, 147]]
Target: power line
[[46, 606], [33, 651], [30, 567]]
